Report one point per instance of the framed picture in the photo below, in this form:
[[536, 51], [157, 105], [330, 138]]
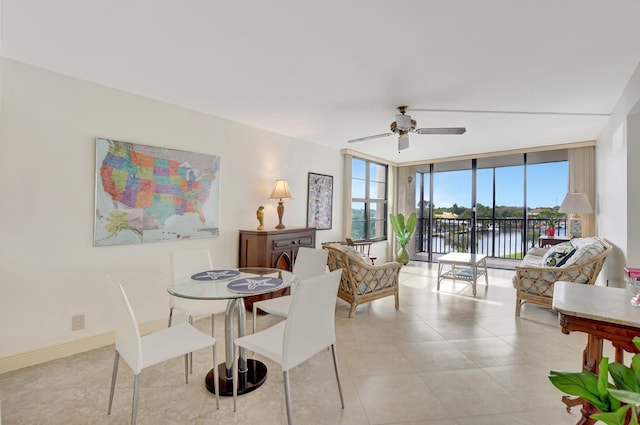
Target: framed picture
[[151, 194], [319, 201]]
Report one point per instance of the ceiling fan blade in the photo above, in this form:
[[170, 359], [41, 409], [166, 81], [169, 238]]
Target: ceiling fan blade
[[362, 139], [444, 130]]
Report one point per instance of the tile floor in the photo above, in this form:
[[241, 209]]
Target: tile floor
[[443, 359]]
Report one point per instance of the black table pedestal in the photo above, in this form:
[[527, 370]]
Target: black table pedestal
[[252, 378]]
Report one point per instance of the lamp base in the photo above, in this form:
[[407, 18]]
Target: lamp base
[[575, 227], [280, 226]]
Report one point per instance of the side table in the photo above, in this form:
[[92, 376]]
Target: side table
[[546, 241], [463, 266]]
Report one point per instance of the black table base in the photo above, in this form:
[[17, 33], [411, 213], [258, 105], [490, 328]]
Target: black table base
[[252, 378]]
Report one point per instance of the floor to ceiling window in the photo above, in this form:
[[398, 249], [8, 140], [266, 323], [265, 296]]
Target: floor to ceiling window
[[495, 206], [368, 200]]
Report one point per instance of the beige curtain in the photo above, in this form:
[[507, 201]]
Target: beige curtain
[[346, 196], [582, 179]]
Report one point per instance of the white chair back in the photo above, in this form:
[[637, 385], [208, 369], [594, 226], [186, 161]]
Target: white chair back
[[310, 262], [186, 263], [128, 342], [310, 325]]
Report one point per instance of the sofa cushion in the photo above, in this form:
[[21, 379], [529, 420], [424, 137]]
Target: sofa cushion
[[558, 255], [585, 252]]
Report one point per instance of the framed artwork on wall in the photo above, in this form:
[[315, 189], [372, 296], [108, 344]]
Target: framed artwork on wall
[[151, 194], [319, 201]]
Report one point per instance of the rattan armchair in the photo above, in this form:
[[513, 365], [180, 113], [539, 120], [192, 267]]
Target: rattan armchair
[[362, 281], [534, 284]]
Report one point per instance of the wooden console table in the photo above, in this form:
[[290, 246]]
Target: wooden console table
[[273, 248], [602, 313]]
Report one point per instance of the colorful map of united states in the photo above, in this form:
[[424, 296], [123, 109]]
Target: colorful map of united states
[[159, 186]]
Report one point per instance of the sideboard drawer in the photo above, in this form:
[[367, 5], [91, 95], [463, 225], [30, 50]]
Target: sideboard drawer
[[290, 243]]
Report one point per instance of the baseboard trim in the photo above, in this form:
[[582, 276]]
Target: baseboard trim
[[69, 348]]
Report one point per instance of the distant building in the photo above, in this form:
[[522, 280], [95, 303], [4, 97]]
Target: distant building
[[446, 214]]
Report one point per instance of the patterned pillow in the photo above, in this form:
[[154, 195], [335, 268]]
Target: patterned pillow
[[586, 253], [558, 255]]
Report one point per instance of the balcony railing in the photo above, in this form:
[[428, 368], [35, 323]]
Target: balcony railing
[[499, 238]]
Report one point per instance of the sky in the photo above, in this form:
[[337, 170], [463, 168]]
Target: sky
[[547, 183], [547, 186]]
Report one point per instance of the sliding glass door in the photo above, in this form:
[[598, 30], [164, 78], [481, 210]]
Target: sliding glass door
[[480, 206]]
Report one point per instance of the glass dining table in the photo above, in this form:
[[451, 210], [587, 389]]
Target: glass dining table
[[234, 285]]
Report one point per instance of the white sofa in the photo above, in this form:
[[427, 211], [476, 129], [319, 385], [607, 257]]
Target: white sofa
[[579, 260]]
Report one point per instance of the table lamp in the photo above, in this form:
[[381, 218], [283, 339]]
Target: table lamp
[[280, 192], [576, 204]]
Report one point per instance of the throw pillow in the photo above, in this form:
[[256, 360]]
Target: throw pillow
[[554, 257], [586, 253]]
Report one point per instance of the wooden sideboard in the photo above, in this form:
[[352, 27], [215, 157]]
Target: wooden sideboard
[[273, 248]]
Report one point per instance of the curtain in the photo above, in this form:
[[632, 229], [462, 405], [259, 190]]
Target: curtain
[[346, 196], [582, 179]]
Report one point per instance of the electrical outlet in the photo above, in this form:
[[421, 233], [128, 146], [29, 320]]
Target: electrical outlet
[[77, 322]]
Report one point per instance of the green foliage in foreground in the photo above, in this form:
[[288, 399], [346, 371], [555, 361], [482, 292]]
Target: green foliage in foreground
[[613, 401]]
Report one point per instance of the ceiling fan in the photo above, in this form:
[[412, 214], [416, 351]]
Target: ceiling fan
[[403, 125]]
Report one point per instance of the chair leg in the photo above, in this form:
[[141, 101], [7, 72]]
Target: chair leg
[[186, 368], [335, 366], [213, 322], [216, 385], [287, 396], [234, 374], [113, 380], [134, 408], [353, 309], [170, 316], [190, 354]]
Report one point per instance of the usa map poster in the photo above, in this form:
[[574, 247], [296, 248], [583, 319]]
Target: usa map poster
[[150, 194]]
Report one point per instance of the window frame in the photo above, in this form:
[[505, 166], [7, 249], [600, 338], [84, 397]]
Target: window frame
[[368, 200]]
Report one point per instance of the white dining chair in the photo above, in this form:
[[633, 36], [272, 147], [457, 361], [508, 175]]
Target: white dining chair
[[309, 262], [184, 264], [308, 329], [140, 352]]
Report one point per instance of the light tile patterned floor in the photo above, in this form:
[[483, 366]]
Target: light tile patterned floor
[[443, 359]]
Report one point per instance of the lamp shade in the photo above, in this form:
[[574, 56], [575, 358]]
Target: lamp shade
[[576, 203], [280, 190]]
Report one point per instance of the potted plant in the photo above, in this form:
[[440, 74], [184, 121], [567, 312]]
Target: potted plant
[[403, 233], [617, 404], [551, 226]]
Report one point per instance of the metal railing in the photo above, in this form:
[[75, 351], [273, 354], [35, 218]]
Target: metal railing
[[498, 238]]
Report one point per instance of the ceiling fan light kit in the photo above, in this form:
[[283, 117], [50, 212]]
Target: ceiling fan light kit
[[403, 125]]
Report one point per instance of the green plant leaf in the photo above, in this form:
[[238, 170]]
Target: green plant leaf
[[603, 378], [394, 223], [634, 416], [582, 384], [624, 377], [411, 223], [613, 418], [625, 396]]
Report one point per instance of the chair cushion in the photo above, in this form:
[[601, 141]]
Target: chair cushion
[[558, 255]]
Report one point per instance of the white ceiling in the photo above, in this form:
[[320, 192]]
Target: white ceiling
[[331, 70]]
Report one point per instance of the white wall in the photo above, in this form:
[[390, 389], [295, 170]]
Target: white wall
[[617, 179], [49, 269]]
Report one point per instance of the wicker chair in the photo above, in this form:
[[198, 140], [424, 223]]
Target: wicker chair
[[534, 284], [362, 281]]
